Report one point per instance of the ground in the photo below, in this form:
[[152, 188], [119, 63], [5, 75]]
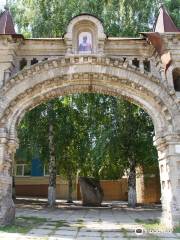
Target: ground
[[34, 220]]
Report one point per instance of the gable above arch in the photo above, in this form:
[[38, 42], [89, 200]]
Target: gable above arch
[[85, 35]]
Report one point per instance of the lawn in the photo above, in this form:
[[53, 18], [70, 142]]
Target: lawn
[[23, 224]]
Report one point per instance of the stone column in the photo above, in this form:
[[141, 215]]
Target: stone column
[[169, 163], [7, 207]]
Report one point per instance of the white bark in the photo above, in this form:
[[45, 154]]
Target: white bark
[[52, 169], [51, 196], [132, 197], [70, 190]]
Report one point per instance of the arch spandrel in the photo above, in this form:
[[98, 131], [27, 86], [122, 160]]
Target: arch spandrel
[[75, 74]]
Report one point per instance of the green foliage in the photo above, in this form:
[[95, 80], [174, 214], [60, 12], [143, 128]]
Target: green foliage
[[44, 18], [174, 9], [94, 135]]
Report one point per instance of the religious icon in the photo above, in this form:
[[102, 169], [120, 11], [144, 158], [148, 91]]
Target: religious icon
[[85, 42]]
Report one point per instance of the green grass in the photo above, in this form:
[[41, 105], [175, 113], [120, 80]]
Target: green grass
[[23, 224], [150, 224], [79, 224], [125, 233], [153, 238], [61, 223], [177, 229], [80, 220], [154, 224]]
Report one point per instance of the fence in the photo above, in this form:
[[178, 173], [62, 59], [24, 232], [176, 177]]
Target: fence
[[148, 191]]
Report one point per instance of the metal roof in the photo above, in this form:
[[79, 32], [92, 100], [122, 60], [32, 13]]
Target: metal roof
[[164, 22]]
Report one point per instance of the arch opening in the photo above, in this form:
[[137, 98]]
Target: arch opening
[[99, 105]]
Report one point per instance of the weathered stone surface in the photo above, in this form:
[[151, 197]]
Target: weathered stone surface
[[91, 191], [7, 210], [108, 69]]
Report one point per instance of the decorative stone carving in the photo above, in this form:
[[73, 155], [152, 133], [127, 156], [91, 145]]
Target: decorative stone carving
[[85, 24]]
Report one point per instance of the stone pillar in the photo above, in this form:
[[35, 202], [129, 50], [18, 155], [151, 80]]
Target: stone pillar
[[7, 207], [169, 163]]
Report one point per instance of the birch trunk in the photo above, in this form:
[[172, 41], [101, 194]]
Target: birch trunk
[[13, 188], [52, 169], [132, 185], [70, 189]]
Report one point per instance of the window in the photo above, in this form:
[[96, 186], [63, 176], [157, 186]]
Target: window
[[23, 170], [34, 61], [23, 63], [176, 79], [135, 62], [147, 66]]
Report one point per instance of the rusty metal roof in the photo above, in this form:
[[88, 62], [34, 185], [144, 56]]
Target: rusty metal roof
[[164, 22], [6, 23]]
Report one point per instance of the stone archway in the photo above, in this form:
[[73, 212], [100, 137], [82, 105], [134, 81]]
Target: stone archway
[[76, 74]]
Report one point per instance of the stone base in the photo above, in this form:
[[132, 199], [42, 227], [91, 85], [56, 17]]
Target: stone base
[[7, 212]]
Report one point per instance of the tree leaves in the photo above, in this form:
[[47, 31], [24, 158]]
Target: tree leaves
[[94, 134], [43, 18]]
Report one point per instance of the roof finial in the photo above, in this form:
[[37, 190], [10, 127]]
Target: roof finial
[[6, 23]]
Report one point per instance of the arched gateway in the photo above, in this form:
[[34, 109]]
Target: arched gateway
[[85, 60]]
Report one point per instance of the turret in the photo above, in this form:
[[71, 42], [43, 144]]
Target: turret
[[6, 23], [164, 22]]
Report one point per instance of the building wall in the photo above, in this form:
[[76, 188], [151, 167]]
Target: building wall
[[148, 189], [113, 190], [38, 187]]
